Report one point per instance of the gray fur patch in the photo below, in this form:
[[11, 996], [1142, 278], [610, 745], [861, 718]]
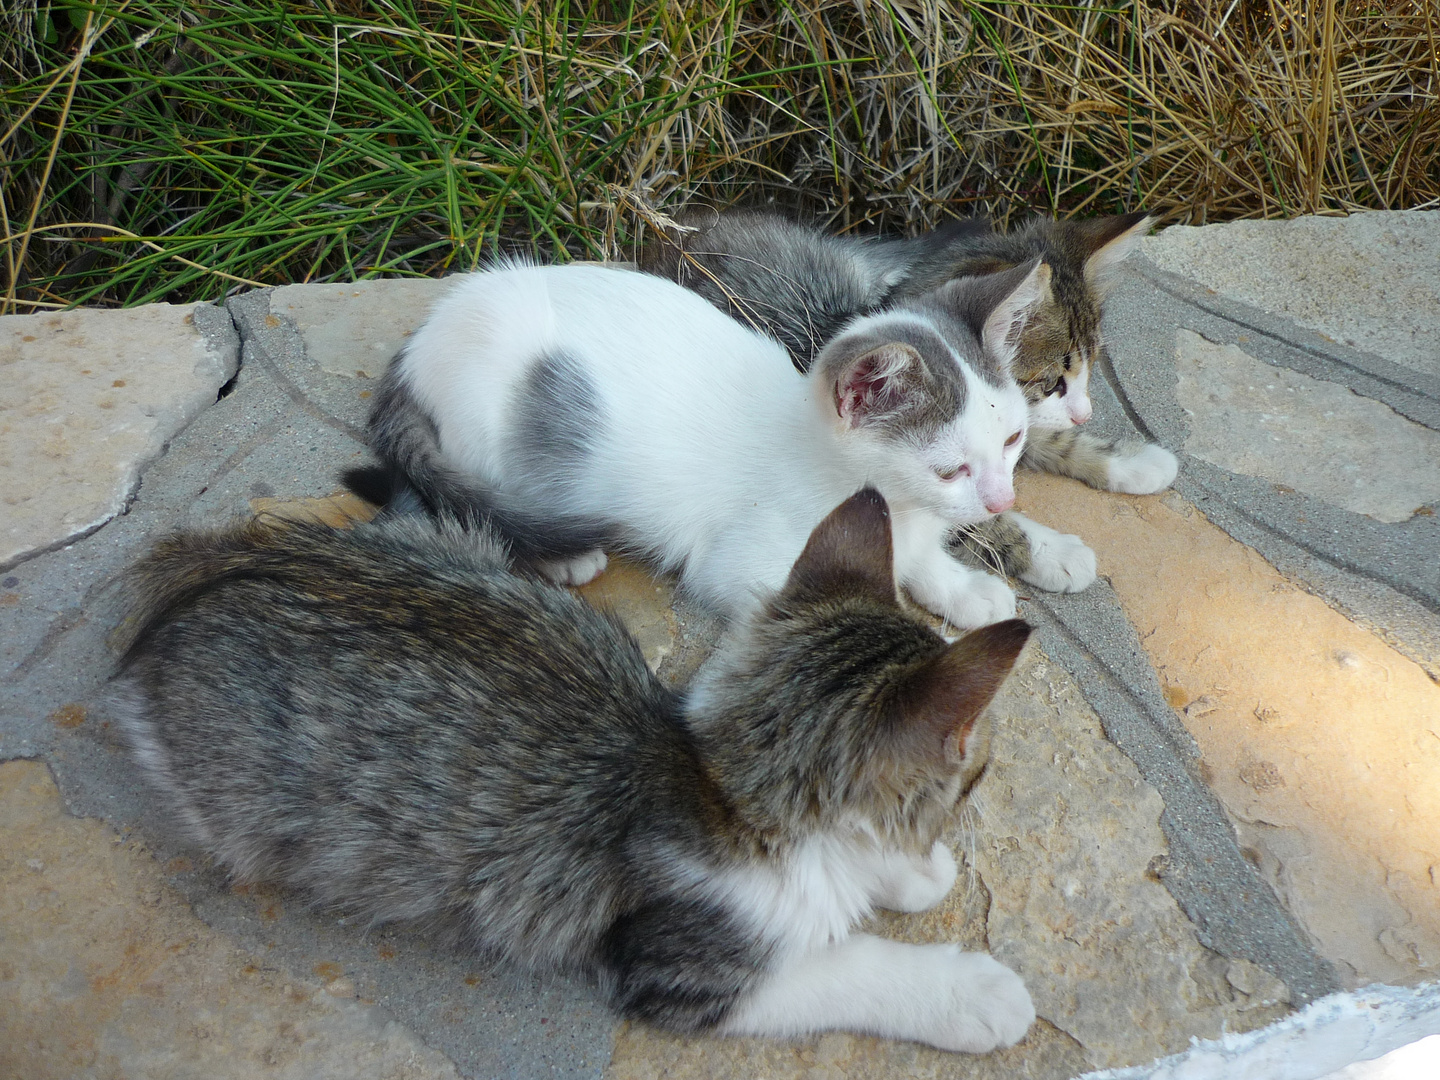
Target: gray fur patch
[[557, 417], [929, 396], [406, 438], [997, 544]]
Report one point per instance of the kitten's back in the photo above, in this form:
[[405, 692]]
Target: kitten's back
[[392, 721]]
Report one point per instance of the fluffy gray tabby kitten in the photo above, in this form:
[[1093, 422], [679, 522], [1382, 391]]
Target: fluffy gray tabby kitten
[[394, 721], [802, 286]]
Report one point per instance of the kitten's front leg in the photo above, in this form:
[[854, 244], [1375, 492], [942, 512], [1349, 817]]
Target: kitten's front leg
[[1036, 553], [963, 597], [1143, 470], [933, 994], [909, 882], [1110, 465], [1058, 562]]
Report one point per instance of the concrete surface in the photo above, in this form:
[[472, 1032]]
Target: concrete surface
[[1213, 794], [91, 398], [1366, 281]]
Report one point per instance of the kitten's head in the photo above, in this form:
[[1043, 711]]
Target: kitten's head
[[835, 707], [924, 392], [1061, 342]]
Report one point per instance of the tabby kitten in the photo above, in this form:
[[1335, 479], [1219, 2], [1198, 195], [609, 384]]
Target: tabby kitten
[[406, 729], [802, 286]]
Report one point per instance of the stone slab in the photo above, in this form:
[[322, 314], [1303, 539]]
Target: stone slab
[[1314, 436], [1383, 574], [1367, 280], [105, 971], [354, 329], [91, 397], [1322, 741]]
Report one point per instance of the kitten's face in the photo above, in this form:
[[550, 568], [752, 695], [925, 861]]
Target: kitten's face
[[1057, 352], [925, 392], [1061, 343]]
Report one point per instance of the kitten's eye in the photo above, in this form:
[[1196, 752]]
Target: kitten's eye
[[1067, 363], [1013, 439], [1059, 386], [951, 474]]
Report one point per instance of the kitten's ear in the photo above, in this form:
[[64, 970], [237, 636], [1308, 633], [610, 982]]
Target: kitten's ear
[[1017, 293], [874, 383], [848, 553], [1108, 241], [944, 698]]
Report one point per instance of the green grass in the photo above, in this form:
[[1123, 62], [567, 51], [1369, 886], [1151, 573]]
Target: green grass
[[156, 149], [277, 142]]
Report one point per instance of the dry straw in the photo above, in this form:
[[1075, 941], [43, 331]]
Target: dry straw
[[179, 149]]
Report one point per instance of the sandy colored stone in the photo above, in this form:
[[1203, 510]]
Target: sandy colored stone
[[1368, 280], [105, 972], [1317, 437], [1057, 848], [90, 398], [643, 603], [1322, 741], [339, 511], [354, 329]]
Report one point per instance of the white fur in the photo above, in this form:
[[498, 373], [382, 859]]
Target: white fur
[[1060, 411], [906, 882], [713, 455], [580, 570], [1059, 562], [1149, 469], [824, 978], [933, 994]]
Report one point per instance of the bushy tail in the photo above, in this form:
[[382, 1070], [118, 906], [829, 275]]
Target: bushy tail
[[414, 478]]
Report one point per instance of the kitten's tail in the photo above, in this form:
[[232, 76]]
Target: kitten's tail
[[414, 478]]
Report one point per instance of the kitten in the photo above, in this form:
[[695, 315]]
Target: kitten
[[407, 730], [581, 407], [802, 286]]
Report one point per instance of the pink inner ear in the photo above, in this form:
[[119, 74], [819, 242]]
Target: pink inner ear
[[866, 387]]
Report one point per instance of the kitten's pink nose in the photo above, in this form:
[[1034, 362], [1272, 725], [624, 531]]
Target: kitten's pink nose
[[1079, 412], [997, 503]]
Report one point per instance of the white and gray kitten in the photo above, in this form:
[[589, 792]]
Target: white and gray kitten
[[581, 409]]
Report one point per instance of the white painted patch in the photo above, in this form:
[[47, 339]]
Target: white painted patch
[[1334, 1033]]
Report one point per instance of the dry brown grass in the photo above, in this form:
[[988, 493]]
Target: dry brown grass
[[186, 148], [1202, 109]]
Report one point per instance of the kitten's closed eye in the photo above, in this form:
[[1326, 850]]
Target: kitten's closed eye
[[1059, 386], [951, 474], [1013, 439]]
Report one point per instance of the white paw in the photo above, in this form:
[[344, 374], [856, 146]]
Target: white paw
[[1059, 562], [1150, 469], [920, 884], [984, 599], [984, 1005], [576, 571]]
